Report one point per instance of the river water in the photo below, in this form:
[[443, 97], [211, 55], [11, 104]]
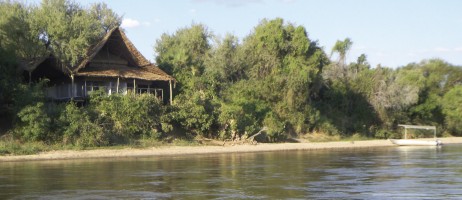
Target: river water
[[380, 173]]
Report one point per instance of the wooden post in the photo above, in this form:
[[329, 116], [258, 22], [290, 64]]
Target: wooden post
[[117, 90], [85, 89], [110, 88], [171, 93], [134, 86], [72, 86], [30, 78]]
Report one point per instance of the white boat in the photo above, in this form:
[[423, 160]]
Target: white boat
[[407, 142], [417, 142]]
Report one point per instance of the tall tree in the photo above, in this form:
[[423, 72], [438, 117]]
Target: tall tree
[[183, 53], [452, 108], [106, 16], [285, 72], [21, 34], [71, 30], [342, 48]]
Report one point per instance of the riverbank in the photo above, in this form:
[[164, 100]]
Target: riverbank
[[188, 150]]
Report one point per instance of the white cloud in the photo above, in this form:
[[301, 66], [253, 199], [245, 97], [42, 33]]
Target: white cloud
[[193, 11], [130, 23], [411, 54], [441, 49], [381, 54], [233, 3], [458, 49], [359, 48], [133, 23]]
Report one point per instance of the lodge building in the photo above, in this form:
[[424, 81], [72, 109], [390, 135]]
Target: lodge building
[[113, 65]]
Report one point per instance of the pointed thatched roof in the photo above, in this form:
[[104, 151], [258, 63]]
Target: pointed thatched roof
[[118, 44], [123, 60]]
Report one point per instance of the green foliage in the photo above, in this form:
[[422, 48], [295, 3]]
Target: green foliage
[[107, 18], [225, 63], [25, 95], [286, 68], [128, 116], [183, 53], [70, 29], [21, 33], [78, 129], [9, 146], [342, 48], [242, 113], [8, 81], [35, 123], [387, 134], [452, 108], [275, 127], [195, 112]]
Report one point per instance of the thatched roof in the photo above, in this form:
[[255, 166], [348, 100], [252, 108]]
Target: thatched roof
[[113, 56], [117, 43], [149, 72]]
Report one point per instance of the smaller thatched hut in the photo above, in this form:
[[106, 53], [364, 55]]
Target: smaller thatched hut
[[114, 65]]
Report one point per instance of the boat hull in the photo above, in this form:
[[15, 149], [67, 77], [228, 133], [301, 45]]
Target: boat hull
[[404, 142]]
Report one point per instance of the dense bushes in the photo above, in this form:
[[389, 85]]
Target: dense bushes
[[106, 120], [279, 79]]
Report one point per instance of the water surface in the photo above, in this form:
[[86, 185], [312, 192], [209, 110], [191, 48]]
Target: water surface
[[381, 173]]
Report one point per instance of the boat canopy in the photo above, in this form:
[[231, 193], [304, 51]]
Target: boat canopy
[[417, 127]]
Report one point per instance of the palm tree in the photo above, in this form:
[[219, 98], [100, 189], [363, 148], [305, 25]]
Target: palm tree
[[342, 48]]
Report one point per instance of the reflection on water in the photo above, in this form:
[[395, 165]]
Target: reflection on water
[[398, 172]]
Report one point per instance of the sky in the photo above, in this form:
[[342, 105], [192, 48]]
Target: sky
[[391, 33]]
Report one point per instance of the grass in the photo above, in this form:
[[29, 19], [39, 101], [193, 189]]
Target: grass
[[11, 146], [323, 137], [19, 148]]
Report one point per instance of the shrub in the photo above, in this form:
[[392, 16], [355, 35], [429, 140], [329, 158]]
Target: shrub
[[129, 116], [78, 128], [275, 127], [195, 113], [35, 122]]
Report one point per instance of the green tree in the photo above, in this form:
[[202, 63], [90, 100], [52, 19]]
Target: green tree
[[224, 64], [71, 30], [107, 18], [342, 48], [183, 54], [284, 71], [452, 109], [433, 78], [21, 34]]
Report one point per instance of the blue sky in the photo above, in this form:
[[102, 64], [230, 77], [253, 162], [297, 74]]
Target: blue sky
[[392, 33]]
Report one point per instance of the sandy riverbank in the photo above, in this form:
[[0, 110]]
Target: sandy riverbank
[[187, 150]]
